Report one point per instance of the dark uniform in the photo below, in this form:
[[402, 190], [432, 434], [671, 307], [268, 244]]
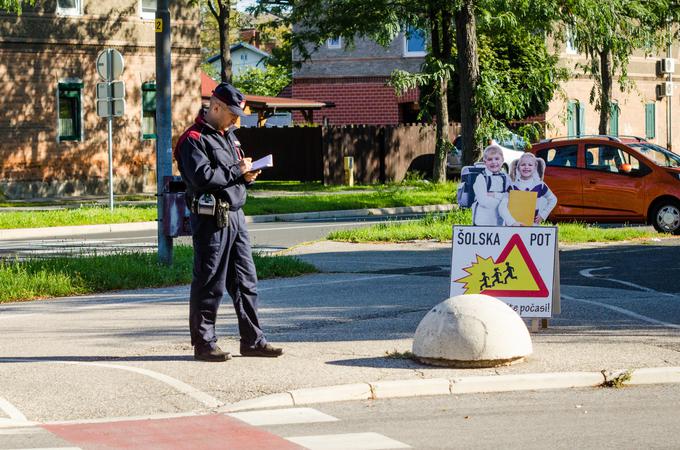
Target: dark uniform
[[208, 160]]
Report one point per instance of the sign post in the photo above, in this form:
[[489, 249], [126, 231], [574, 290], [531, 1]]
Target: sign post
[[513, 264], [163, 121], [110, 99]]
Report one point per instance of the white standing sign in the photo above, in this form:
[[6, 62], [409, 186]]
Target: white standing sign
[[514, 264]]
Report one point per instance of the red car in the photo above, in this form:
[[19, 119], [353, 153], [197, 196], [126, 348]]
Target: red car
[[613, 179]]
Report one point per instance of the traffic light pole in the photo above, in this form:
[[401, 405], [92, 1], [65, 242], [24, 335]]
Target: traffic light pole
[[163, 121]]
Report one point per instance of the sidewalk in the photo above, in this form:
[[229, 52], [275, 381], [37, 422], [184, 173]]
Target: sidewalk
[[124, 354]]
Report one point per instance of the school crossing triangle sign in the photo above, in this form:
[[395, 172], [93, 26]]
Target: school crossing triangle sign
[[512, 274], [513, 264]]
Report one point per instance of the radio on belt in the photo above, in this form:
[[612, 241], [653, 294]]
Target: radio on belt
[[206, 205]]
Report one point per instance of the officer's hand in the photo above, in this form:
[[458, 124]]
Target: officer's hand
[[250, 176], [245, 164]]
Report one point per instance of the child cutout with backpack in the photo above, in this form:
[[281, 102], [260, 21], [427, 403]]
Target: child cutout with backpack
[[527, 175], [483, 188]]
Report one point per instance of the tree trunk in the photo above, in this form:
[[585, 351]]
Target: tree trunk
[[442, 132], [224, 12], [606, 89], [441, 22], [468, 68]]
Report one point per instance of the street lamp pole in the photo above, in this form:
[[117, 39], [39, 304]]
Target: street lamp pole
[[163, 121], [669, 102]]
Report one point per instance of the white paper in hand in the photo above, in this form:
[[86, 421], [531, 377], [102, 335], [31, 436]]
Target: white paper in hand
[[262, 163]]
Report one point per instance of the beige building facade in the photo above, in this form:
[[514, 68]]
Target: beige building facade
[[52, 142], [640, 111]]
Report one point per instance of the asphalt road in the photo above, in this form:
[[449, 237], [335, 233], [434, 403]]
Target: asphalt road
[[643, 417], [265, 237]]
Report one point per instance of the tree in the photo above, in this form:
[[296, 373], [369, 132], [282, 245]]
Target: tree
[[14, 6], [222, 12], [315, 21], [607, 33], [263, 82]]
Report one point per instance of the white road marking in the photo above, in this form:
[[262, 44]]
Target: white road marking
[[20, 430], [588, 273], [282, 416], [348, 441], [12, 411], [49, 448], [199, 396], [624, 312]]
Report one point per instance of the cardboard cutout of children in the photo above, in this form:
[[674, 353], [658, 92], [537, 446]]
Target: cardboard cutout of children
[[527, 174], [490, 188]]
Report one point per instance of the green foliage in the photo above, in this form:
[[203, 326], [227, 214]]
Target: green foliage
[[439, 227], [14, 6], [263, 82]]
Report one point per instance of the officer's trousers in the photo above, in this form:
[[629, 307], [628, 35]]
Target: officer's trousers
[[223, 261]]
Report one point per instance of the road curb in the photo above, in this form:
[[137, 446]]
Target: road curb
[[454, 386], [83, 230]]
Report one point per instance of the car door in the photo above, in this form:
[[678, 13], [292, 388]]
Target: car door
[[613, 183], [563, 177]]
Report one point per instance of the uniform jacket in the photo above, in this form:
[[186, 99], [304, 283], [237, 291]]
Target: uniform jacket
[[208, 160], [485, 207]]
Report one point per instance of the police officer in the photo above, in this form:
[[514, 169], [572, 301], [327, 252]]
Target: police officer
[[216, 174]]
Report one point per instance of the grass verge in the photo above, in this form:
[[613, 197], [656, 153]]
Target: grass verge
[[389, 196], [384, 196], [58, 277], [89, 215], [439, 227]]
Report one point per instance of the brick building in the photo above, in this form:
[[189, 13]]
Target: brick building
[[355, 81], [52, 141]]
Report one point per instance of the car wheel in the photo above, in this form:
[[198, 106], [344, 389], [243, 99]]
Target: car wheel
[[666, 217]]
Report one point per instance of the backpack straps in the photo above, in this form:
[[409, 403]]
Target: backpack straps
[[488, 182]]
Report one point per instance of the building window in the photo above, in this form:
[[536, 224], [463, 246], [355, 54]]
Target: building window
[[149, 110], [576, 118], [334, 43], [244, 57], [69, 7], [70, 111], [650, 120], [614, 112], [147, 9], [414, 42]]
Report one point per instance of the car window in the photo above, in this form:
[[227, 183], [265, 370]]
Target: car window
[[606, 158], [565, 156], [659, 155]]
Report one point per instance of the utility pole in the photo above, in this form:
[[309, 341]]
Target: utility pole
[[163, 121], [669, 102]]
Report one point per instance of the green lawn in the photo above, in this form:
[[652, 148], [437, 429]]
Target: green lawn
[[58, 277], [383, 196], [439, 227]]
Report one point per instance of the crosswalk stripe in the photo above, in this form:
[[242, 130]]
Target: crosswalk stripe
[[282, 416], [20, 430], [49, 448], [347, 441]]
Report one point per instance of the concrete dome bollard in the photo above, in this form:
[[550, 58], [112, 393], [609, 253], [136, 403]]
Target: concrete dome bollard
[[471, 331]]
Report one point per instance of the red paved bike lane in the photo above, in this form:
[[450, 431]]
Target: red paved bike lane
[[212, 432]]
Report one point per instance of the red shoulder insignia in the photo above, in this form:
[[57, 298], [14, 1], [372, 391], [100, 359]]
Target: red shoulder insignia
[[194, 134]]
